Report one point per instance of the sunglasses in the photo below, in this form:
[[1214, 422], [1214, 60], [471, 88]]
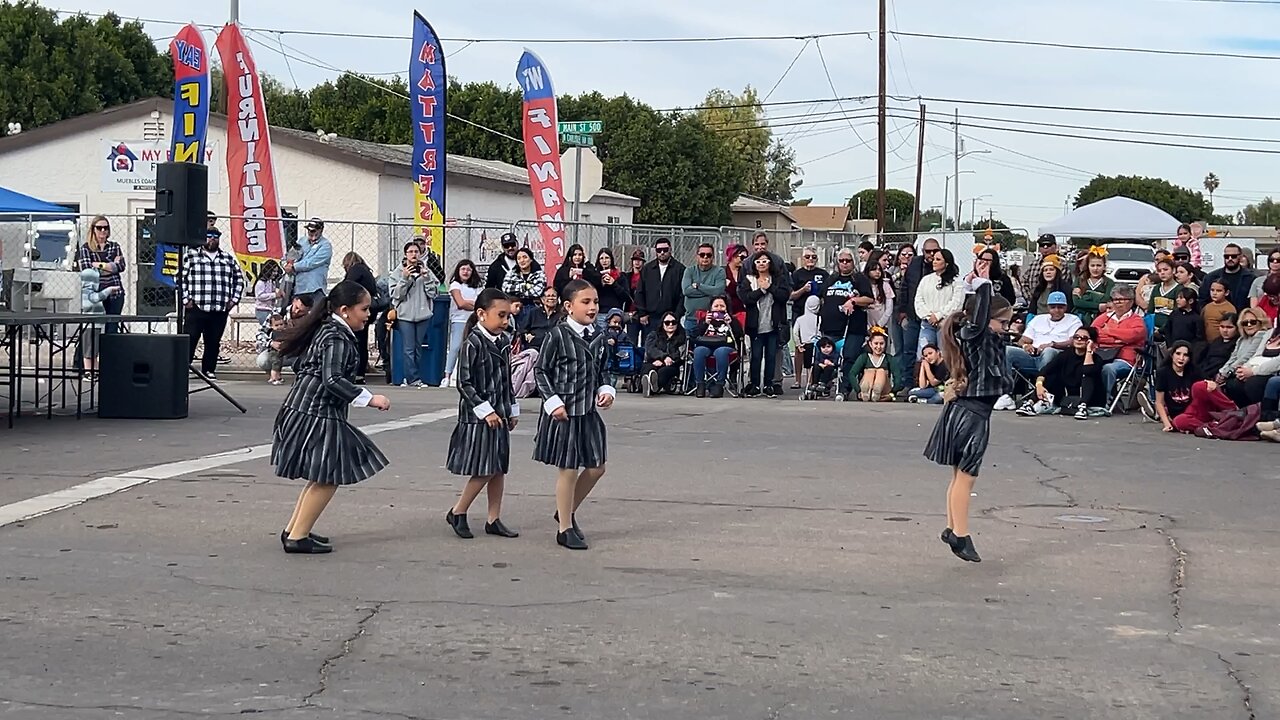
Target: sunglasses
[[662, 250], [931, 252], [741, 257], [844, 260], [705, 255], [668, 322], [1082, 338], [103, 228], [1274, 259], [1225, 255], [809, 257], [1250, 323]]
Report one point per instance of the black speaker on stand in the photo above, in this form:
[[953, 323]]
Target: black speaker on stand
[[143, 377], [182, 207]]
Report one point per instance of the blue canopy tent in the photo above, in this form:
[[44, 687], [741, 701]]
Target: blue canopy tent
[[15, 203]]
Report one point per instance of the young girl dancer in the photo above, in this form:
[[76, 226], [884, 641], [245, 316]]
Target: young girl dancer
[[312, 438], [480, 447], [571, 380], [973, 342]]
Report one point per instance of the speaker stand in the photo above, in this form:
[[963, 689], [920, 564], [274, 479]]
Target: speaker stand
[[209, 383]]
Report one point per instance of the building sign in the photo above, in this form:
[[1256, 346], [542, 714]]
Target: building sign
[[129, 166]]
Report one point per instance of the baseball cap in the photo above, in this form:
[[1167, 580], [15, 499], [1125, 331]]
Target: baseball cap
[[1047, 239], [1182, 252], [315, 223], [637, 255], [509, 240], [1057, 298]]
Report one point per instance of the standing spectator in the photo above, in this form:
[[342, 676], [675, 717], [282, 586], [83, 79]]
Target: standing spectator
[[760, 243], [880, 312], [414, 295], [765, 295], [99, 252], [939, 296], [211, 288], [431, 260], [864, 251], [702, 281], [734, 256], [357, 271], [1047, 245], [575, 267], [1185, 275], [266, 291], [1091, 293], [631, 281], [659, 290], [526, 283], [464, 288], [499, 268], [614, 291], [311, 270], [1269, 302], [1121, 334], [808, 280], [1002, 283], [1162, 295], [1237, 278], [843, 315], [908, 284], [1273, 268]]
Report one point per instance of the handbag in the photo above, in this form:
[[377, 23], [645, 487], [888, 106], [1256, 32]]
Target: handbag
[[1106, 355]]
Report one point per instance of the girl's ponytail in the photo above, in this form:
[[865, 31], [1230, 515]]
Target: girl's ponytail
[[949, 339]]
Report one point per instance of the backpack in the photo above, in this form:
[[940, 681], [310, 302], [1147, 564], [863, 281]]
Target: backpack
[[381, 301]]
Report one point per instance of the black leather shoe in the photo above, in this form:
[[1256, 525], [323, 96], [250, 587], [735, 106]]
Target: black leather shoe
[[306, 546], [700, 392], [571, 540], [573, 519], [284, 535], [497, 528], [964, 549], [948, 536], [717, 391], [459, 525]]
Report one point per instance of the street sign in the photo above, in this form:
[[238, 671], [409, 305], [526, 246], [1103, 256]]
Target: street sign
[[583, 175], [577, 139], [582, 127]]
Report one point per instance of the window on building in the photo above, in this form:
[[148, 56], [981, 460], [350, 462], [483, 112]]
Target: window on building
[[613, 220]]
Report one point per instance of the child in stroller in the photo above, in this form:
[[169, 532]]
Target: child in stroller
[[624, 357], [826, 368]]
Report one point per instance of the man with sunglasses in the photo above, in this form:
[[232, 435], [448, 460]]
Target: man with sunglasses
[[311, 270], [499, 268], [843, 315], [1273, 268], [919, 266], [703, 282], [659, 290], [1233, 275]]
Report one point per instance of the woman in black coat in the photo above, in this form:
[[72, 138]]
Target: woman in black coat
[[664, 353], [575, 267], [537, 321], [359, 273], [615, 290], [765, 295]]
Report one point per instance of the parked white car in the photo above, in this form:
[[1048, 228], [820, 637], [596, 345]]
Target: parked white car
[[1127, 262]]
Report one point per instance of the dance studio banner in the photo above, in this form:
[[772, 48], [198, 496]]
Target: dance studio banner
[[257, 234], [429, 85], [542, 156], [190, 123]]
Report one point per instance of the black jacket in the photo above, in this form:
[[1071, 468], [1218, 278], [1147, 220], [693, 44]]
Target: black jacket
[[1183, 325], [537, 323], [497, 272], [1213, 356], [562, 278], [906, 300], [657, 346], [781, 298], [657, 293], [615, 296], [361, 275]]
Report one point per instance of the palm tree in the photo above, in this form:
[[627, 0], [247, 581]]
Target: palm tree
[[1211, 183]]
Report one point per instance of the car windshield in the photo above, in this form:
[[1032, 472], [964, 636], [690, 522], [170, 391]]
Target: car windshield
[[1130, 254]]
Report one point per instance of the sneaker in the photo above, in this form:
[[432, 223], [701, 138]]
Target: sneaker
[[751, 391], [405, 384], [1028, 409], [1006, 402], [211, 376], [647, 381], [1267, 425], [1148, 409], [717, 391], [224, 360], [1082, 412], [913, 399], [839, 397], [776, 389], [771, 391]]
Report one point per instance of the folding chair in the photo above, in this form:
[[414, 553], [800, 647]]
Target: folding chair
[[1139, 380], [733, 379]]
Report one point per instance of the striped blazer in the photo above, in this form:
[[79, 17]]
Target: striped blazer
[[323, 386], [571, 371], [484, 378]]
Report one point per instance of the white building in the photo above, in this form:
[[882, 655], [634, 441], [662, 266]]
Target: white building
[[352, 184]]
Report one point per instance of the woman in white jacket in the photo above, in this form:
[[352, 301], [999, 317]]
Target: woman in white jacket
[[939, 296], [1248, 384]]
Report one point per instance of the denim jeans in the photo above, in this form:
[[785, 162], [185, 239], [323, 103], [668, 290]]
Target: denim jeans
[[908, 341], [702, 353], [1271, 395], [114, 305], [1025, 362], [927, 395], [1111, 372], [928, 336], [413, 339], [764, 347], [455, 344], [848, 356]]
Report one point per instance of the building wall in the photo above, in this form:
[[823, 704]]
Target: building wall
[[767, 220]]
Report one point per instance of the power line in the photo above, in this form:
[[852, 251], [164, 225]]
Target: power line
[[1130, 141], [786, 72], [1094, 128], [1076, 46], [817, 44], [1110, 111]]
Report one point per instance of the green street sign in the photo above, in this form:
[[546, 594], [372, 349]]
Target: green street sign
[[582, 127], [576, 139]]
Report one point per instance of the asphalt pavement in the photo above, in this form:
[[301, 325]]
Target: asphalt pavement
[[749, 559]]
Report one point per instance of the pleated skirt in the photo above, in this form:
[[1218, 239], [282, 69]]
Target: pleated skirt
[[324, 450], [578, 442], [960, 438], [477, 449]]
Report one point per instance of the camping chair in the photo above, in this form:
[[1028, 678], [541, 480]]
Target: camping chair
[[1141, 379]]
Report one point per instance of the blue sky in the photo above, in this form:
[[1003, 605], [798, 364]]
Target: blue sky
[[1024, 192]]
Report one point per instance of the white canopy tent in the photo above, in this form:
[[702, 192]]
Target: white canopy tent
[[1116, 218]]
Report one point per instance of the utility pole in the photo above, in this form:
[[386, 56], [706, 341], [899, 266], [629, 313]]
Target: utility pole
[[881, 172], [915, 221], [235, 11], [957, 162]]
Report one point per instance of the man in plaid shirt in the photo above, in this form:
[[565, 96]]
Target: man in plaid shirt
[[212, 283]]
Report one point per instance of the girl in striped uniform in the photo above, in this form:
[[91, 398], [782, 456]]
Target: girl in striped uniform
[[312, 438], [571, 380], [480, 447]]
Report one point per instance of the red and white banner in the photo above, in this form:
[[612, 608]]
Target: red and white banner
[[542, 156], [256, 234]]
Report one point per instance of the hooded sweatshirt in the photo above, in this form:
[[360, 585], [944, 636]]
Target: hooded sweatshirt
[[806, 327]]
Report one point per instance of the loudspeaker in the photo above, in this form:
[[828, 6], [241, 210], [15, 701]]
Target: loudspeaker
[[143, 377], [182, 202]]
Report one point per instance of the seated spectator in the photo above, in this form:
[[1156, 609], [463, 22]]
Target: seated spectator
[[1160, 293], [805, 331], [1249, 383], [717, 336], [1217, 307], [1092, 293], [1185, 276], [826, 363], [1051, 281], [1272, 268], [1217, 352], [1044, 337], [1121, 334], [1071, 381], [931, 378], [1173, 385], [1207, 398], [1184, 323], [664, 352], [876, 375], [1269, 301], [537, 321]]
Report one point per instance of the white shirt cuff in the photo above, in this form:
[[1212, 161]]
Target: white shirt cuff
[[515, 410], [607, 390], [552, 404], [483, 410], [362, 400]]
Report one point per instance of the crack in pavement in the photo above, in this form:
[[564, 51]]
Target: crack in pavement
[[143, 708], [1048, 482], [327, 665], [1244, 688]]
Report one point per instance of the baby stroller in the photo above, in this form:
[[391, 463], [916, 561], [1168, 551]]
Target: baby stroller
[[822, 390], [625, 363]]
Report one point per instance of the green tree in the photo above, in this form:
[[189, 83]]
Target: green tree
[[929, 219], [51, 70], [1265, 212], [769, 167], [1000, 233], [1184, 204], [899, 208]]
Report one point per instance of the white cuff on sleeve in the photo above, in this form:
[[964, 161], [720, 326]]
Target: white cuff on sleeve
[[607, 390], [552, 404], [483, 410], [515, 410], [362, 400]]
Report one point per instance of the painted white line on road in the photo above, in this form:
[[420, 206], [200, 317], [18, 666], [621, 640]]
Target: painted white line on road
[[72, 496]]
